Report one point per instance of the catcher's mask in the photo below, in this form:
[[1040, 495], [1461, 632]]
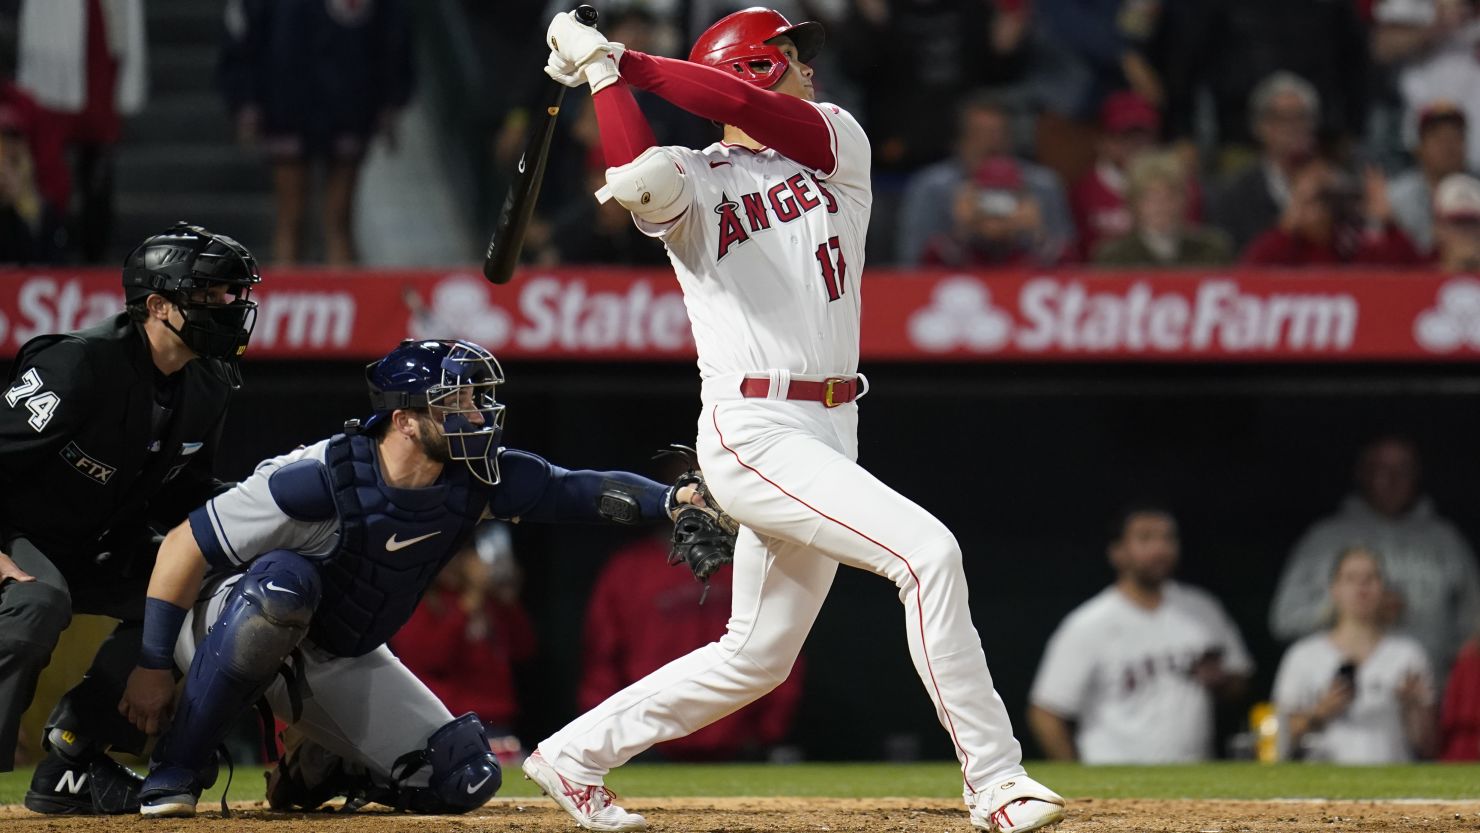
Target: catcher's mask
[[184, 263], [455, 382]]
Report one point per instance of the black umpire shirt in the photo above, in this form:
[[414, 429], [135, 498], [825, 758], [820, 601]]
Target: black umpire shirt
[[96, 445]]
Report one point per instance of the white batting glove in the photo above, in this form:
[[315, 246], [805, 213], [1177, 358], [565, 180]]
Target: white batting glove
[[564, 71], [576, 42], [600, 73]]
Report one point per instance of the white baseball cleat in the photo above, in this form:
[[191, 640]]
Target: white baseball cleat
[[1016, 806], [589, 804]]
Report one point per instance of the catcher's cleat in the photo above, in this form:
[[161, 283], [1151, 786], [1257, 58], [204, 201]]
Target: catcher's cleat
[[98, 785], [169, 792], [589, 804], [1016, 806]]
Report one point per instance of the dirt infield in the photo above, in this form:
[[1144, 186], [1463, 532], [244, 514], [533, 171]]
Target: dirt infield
[[819, 815]]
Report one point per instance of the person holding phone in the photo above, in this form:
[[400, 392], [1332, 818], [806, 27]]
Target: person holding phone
[[1356, 693]]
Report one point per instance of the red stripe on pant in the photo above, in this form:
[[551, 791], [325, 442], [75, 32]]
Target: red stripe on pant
[[919, 602]]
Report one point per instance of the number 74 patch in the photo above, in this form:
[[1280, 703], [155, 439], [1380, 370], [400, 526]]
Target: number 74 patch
[[41, 403]]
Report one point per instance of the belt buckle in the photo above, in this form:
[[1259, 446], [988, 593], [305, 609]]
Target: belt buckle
[[827, 395]]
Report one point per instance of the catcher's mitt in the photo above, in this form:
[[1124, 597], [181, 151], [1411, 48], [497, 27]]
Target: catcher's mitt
[[703, 535]]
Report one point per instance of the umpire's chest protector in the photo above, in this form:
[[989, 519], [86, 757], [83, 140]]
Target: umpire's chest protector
[[393, 542]]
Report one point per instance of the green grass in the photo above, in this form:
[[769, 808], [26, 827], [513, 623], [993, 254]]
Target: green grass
[[941, 780]]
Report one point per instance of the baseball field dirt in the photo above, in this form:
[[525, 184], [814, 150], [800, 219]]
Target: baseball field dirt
[[828, 815]]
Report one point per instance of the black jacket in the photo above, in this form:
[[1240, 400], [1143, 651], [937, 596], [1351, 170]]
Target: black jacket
[[77, 476]]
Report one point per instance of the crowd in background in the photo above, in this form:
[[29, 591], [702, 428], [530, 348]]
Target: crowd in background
[[1123, 133], [1128, 133], [1381, 602]]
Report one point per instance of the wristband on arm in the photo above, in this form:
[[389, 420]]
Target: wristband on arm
[[162, 623]]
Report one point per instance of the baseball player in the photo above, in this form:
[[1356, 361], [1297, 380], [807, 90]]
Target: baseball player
[[317, 559], [107, 434], [765, 230], [1131, 676]]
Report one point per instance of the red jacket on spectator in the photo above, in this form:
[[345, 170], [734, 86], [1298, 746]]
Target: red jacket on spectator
[[643, 614], [1277, 247], [1459, 718], [467, 673]]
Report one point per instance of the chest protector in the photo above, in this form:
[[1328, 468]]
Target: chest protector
[[392, 544]]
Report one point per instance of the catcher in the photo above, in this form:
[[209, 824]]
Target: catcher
[[322, 554]]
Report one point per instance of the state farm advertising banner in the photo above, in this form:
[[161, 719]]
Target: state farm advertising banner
[[610, 314]]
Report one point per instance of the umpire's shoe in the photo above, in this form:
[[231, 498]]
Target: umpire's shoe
[[170, 792], [97, 785]]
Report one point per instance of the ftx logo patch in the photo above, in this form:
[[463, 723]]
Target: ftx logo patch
[[80, 462]]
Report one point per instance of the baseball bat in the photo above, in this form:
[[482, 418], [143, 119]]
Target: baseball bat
[[524, 191]]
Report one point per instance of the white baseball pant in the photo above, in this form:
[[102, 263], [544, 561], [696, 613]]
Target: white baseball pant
[[787, 472]]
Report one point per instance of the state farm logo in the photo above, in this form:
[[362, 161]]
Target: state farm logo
[[1454, 321], [960, 315], [1051, 315], [554, 314], [459, 308]]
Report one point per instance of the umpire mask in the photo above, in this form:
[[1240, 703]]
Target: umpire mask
[[190, 266]]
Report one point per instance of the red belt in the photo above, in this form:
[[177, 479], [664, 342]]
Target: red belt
[[830, 392]]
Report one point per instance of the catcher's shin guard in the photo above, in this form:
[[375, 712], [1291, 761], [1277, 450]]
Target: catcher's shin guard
[[464, 773], [264, 619]]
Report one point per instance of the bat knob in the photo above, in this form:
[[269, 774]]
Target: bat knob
[[587, 15]]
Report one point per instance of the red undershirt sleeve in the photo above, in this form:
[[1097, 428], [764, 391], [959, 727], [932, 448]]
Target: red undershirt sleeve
[[625, 132], [790, 125]]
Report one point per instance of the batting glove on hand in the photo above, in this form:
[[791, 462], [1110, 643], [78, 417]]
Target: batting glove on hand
[[564, 71], [576, 42]]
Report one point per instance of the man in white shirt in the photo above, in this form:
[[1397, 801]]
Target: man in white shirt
[[1130, 675]]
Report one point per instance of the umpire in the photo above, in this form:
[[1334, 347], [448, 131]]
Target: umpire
[[107, 434]]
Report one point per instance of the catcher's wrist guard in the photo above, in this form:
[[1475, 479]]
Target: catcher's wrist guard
[[618, 503]]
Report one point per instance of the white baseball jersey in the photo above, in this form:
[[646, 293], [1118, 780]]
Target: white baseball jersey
[[769, 254], [1371, 729], [1125, 674]]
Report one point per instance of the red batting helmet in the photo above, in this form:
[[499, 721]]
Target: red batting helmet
[[738, 43]]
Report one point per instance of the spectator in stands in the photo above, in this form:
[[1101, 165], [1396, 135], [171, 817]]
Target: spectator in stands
[[1330, 220], [1285, 109], [644, 613], [45, 140], [1432, 576], [914, 61], [1439, 153], [996, 222], [1457, 224], [1110, 37], [314, 82], [1130, 675], [84, 63], [982, 132], [1129, 126], [24, 214], [1355, 693], [1459, 718], [1225, 47], [1162, 235], [1432, 44], [470, 633]]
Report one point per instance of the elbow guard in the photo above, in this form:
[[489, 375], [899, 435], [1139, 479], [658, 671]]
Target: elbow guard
[[653, 186]]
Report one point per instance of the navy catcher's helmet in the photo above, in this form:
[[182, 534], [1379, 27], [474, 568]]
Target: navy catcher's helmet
[[455, 381], [185, 261]]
